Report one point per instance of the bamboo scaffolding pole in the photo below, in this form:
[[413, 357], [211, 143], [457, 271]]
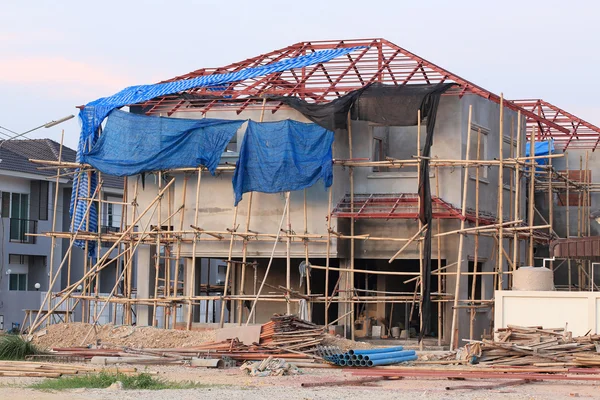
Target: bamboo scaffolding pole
[[178, 254], [454, 328], [255, 299], [122, 226], [569, 270], [550, 198], [532, 170], [421, 271], [351, 274], [411, 240], [244, 258], [517, 209], [113, 291], [96, 279], [501, 195], [66, 257], [439, 261], [288, 260], [85, 305], [579, 219], [330, 195], [100, 263], [55, 205], [158, 245], [476, 249], [228, 270], [306, 261]]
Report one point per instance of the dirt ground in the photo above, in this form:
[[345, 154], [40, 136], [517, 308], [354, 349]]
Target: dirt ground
[[232, 384]]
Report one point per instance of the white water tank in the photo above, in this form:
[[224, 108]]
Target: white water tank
[[533, 278]]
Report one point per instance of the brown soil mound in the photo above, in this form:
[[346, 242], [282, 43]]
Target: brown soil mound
[[72, 334]]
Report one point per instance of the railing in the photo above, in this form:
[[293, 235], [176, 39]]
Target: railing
[[19, 228]]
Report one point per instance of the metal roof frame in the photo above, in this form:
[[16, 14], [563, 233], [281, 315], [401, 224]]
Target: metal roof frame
[[381, 61], [581, 135]]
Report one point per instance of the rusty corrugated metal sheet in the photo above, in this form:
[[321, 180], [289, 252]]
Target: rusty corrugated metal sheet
[[585, 248]]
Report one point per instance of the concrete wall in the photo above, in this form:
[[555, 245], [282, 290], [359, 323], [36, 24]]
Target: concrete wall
[[215, 206], [559, 220]]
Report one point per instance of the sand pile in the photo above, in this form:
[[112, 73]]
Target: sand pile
[[71, 335]]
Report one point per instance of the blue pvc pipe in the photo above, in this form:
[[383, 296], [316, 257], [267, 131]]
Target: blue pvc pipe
[[342, 363], [363, 363], [390, 361], [375, 351], [394, 354], [347, 356], [359, 357]]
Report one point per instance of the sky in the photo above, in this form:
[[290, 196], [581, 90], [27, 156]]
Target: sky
[[56, 55]]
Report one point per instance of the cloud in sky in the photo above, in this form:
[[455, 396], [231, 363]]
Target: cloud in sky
[[29, 70]]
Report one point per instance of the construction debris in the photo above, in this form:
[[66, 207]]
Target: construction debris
[[269, 367], [533, 346], [52, 370]]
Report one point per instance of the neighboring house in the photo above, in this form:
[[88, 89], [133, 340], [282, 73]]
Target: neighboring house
[[27, 207]]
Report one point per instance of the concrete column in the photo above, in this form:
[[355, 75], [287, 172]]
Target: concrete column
[[145, 283]]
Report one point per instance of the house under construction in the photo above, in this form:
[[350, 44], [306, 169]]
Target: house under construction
[[430, 210]]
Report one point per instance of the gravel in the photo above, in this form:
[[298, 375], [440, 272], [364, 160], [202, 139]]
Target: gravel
[[232, 384]]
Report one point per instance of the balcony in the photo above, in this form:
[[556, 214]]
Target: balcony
[[19, 228]]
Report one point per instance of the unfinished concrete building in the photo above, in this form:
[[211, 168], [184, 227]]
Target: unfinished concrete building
[[365, 252]]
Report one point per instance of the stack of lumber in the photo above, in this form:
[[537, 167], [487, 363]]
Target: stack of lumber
[[536, 346], [291, 333], [50, 370]]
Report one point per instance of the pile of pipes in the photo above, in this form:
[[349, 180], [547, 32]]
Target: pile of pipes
[[367, 358]]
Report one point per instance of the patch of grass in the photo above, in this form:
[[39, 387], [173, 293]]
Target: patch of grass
[[103, 380], [15, 347]]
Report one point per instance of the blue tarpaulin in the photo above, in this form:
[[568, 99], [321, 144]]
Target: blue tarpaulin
[[283, 156], [94, 113], [542, 148], [131, 143]]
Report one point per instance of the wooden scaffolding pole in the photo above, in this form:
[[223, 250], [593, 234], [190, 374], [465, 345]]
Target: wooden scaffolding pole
[[421, 265], [288, 260], [532, 167], [517, 208], [499, 265], [351, 274], [439, 260], [306, 261], [244, 258], [228, 270], [568, 214], [178, 251], [454, 328], [476, 250], [327, 256], [157, 252], [55, 205], [192, 285], [134, 205]]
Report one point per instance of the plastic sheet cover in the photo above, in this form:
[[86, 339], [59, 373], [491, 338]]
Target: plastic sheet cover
[[94, 113], [283, 156], [131, 143]]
